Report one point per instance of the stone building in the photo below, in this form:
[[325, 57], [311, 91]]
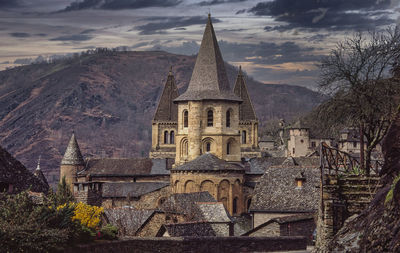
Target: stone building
[[199, 139], [302, 143]]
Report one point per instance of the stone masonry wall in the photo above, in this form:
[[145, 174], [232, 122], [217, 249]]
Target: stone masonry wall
[[232, 244]]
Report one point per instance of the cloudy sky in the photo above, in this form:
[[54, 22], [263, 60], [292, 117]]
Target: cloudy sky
[[275, 41]]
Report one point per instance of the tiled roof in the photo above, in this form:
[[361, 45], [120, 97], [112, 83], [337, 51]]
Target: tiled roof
[[167, 110], [281, 220], [14, 172], [246, 109], [190, 229], [72, 155], [277, 190], [118, 166], [212, 212], [130, 189], [185, 203], [207, 162], [260, 164], [128, 220], [209, 80]]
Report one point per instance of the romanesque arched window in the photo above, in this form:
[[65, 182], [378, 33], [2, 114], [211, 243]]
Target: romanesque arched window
[[228, 118], [185, 118], [172, 137], [166, 137], [210, 118], [208, 147], [234, 209], [244, 137], [228, 148]]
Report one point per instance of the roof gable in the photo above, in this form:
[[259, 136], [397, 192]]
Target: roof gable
[[208, 162]]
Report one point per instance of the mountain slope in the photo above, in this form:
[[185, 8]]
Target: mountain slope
[[108, 99]]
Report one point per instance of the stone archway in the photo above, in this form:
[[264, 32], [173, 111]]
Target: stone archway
[[208, 185]]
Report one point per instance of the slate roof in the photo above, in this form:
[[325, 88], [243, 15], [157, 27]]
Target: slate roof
[[267, 138], [208, 162], [130, 189], [212, 212], [246, 109], [189, 229], [260, 164], [14, 172], [209, 80], [72, 155], [281, 220], [298, 125], [167, 110], [128, 220], [352, 135], [125, 167], [277, 190], [185, 203]]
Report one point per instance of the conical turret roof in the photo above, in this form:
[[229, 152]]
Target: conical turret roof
[[209, 80], [246, 109], [73, 155], [166, 109]]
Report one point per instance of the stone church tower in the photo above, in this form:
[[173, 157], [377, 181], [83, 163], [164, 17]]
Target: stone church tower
[[165, 122], [208, 112], [72, 162]]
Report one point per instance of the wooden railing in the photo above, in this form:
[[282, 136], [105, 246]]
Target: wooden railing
[[336, 162]]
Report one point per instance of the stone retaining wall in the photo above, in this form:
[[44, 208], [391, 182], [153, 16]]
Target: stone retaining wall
[[232, 244]]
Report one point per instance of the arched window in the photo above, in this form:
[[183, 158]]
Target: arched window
[[185, 119], [172, 138], [228, 118], [228, 148], [166, 137], [208, 146], [248, 204], [243, 137], [235, 200], [210, 118]]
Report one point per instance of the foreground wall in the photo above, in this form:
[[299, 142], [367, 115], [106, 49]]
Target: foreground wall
[[232, 244]]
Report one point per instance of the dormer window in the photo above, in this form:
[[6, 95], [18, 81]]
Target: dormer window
[[300, 179]]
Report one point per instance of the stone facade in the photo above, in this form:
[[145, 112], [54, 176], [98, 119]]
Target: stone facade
[[302, 144], [89, 193]]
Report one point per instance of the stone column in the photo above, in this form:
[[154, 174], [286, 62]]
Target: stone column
[[194, 129]]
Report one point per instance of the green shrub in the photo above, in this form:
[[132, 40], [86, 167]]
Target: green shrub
[[109, 232]]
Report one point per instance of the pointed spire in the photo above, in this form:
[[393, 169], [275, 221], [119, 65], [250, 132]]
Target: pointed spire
[[246, 109], [38, 163], [166, 109], [209, 79], [73, 155]]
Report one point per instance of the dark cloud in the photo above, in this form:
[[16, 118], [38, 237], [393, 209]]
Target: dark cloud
[[240, 11], [214, 2], [332, 14], [88, 31], [73, 37], [119, 4], [41, 34], [9, 3], [5, 62], [20, 35], [165, 23]]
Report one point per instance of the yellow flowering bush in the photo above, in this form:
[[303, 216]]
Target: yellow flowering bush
[[89, 216]]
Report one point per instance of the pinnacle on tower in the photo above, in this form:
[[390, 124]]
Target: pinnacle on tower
[[166, 109], [38, 164], [209, 80], [246, 109], [73, 155]]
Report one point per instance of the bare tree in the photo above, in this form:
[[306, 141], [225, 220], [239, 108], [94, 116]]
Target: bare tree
[[358, 75]]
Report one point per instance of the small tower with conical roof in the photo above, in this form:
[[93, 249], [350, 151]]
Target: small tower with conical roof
[[165, 121], [248, 122], [72, 162], [39, 174], [208, 111]]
